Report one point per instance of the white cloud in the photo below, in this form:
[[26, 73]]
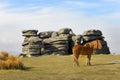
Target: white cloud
[[51, 18], [113, 1], [4, 5], [81, 3], [115, 15]]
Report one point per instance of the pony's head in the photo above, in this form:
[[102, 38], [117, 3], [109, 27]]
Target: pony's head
[[77, 39]]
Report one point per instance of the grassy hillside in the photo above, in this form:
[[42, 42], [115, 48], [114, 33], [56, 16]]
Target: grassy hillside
[[104, 67]]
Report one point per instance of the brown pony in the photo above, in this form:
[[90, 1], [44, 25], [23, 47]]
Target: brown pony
[[86, 49]]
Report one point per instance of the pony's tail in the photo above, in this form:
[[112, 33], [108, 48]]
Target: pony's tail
[[99, 45]]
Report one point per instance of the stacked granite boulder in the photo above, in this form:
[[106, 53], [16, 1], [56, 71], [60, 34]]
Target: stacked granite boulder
[[90, 35], [32, 43], [56, 42], [68, 34], [61, 42], [47, 34], [55, 45]]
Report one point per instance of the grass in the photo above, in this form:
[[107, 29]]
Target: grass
[[53, 67], [9, 61]]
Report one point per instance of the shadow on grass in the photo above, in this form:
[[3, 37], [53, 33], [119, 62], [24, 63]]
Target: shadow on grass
[[27, 69], [104, 64]]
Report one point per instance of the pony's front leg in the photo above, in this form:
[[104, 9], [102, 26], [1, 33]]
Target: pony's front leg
[[76, 63], [88, 60], [76, 60]]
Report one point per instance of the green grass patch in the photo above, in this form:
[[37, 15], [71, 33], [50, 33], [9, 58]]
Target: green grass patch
[[53, 67]]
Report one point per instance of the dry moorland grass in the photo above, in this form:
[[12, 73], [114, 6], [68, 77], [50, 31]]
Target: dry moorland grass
[[9, 61], [104, 67]]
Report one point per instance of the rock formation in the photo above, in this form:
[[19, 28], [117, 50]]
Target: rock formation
[[61, 42], [57, 42], [90, 35], [32, 43]]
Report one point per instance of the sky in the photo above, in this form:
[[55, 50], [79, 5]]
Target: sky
[[52, 15]]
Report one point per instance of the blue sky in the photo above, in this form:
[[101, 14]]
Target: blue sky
[[45, 15]]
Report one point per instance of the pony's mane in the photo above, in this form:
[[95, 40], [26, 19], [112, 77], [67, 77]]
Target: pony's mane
[[95, 44]]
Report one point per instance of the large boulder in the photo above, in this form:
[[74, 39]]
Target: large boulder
[[32, 43], [93, 34], [54, 45], [47, 34], [64, 31], [90, 35], [29, 33]]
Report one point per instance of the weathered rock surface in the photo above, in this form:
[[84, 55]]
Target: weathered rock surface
[[32, 43], [90, 35], [61, 42]]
